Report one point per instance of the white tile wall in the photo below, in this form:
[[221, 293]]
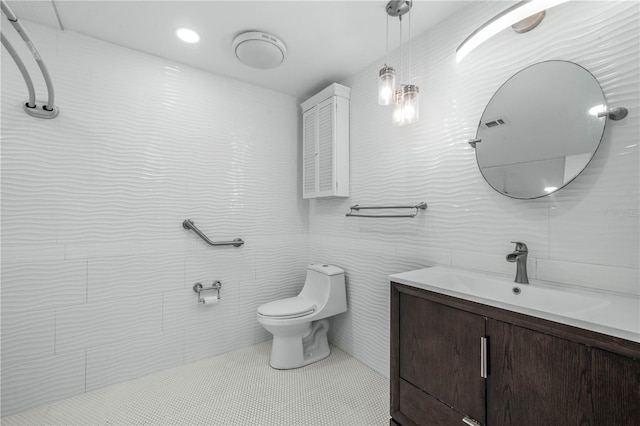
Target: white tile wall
[[121, 361], [42, 285], [138, 275], [94, 324], [97, 271], [42, 380], [28, 335], [586, 234]]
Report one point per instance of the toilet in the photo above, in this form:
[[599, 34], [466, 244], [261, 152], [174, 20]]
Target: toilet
[[299, 324]]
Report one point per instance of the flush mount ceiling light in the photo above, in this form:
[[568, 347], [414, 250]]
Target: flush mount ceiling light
[[187, 35], [259, 50], [522, 17]]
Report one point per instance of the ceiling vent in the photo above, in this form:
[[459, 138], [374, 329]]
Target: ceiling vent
[[259, 50], [500, 121]]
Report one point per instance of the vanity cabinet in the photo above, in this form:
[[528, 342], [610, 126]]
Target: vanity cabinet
[[325, 147], [458, 362]]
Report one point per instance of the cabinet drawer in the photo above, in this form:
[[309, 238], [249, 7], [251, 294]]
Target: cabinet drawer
[[423, 409]]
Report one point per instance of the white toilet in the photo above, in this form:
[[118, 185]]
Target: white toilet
[[298, 324]]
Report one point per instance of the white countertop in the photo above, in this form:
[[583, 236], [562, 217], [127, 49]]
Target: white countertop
[[609, 313]]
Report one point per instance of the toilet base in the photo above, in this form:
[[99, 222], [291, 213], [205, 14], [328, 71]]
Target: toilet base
[[301, 346]]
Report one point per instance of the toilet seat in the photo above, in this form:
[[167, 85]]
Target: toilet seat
[[293, 307]]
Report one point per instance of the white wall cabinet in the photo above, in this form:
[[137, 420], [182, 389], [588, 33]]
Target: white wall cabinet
[[325, 132]]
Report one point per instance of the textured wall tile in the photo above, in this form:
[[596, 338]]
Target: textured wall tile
[[26, 253], [39, 381], [118, 277], [206, 263], [623, 280], [32, 286], [27, 335], [423, 254], [99, 323], [605, 200], [100, 250], [113, 363]]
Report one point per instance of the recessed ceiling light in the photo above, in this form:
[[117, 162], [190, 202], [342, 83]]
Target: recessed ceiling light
[[185, 34]]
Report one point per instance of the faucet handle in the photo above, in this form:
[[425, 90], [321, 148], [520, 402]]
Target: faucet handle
[[520, 246]]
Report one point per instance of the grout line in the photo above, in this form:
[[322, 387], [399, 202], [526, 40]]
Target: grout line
[[55, 10], [55, 330], [85, 369], [87, 283]]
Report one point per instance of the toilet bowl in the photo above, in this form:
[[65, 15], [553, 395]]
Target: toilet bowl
[[299, 324]]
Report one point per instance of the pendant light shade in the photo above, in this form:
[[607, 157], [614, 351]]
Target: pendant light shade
[[386, 85], [397, 119], [410, 104]]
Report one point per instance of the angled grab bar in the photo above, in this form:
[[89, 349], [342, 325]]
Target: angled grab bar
[[48, 110], [356, 207], [188, 224]]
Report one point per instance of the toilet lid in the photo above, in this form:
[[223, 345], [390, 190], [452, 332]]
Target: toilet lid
[[292, 307]]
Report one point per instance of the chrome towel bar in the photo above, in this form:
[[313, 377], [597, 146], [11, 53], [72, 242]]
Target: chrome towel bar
[[188, 224], [356, 207]]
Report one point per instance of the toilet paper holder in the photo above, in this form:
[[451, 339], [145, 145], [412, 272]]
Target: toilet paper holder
[[198, 288]]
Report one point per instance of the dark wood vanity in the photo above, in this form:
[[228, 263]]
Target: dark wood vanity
[[536, 372]]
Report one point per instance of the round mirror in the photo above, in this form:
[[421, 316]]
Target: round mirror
[[540, 129]]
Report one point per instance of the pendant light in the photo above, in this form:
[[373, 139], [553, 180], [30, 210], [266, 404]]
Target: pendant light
[[387, 78], [397, 119], [406, 98], [410, 94]]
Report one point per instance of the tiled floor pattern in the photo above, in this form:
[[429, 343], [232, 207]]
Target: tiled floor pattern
[[236, 388]]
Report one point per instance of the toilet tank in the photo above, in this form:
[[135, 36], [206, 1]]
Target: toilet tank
[[326, 287]]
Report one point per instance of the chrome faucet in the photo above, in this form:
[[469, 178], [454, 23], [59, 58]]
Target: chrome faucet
[[519, 256]]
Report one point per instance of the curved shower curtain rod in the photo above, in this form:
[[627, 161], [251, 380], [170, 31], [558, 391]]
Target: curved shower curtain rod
[[48, 110]]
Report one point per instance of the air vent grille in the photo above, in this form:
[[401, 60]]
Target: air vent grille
[[495, 122]]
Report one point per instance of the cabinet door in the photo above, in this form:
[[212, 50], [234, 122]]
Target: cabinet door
[[615, 389], [319, 129], [325, 148], [440, 353], [536, 379], [310, 152]]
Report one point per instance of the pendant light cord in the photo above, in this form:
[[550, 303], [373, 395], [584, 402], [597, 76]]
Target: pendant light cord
[[410, 46], [387, 51], [401, 67]]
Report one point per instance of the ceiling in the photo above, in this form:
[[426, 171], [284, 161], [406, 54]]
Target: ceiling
[[326, 40]]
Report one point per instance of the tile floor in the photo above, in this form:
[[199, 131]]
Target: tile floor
[[236, 388]]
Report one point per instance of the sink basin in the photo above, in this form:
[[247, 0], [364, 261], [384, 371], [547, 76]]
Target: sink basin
[[610, 313]]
